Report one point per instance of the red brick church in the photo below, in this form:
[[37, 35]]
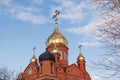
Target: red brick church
[[53, 63]]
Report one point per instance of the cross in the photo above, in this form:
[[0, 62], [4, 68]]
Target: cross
[[55, 15], [34, 48], [80, 46]]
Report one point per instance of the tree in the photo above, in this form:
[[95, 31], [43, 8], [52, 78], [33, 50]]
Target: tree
[[6, 74], [108, 33], [113, 5]]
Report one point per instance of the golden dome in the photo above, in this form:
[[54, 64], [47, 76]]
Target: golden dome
[[57, 38], [81, 57], [33, 59], [20, 75]]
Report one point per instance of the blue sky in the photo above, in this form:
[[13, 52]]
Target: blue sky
[[28, 23]]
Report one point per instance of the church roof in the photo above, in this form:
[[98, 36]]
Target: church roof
[[46, 56]]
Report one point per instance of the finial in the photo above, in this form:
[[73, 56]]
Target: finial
[[55, 16], [80, 57], [33, 59], [80, 46], [34, 48]]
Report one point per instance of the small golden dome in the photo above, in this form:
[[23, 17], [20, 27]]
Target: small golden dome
[[57, 38], [20, 76], [81, 57], [33, 59]]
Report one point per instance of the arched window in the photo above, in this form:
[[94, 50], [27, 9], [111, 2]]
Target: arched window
[[65, 56], [29, 71], [61, 55]]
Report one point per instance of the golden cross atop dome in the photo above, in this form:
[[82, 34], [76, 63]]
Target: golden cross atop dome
[[80, 46], [55, 16], [34, 48], [80, 57], [56, 37], [33, 59]]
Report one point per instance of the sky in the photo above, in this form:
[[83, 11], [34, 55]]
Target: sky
[[28, 23]]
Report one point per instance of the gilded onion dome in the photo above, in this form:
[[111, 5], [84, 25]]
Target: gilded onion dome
[[20, 76], [33, 59], [81, 57], [56, 38]]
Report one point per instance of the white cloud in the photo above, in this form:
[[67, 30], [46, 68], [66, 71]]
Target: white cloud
[[28, 14], [88, 32], [90, 29], [96, 78], [80, 30], [25, 16], [74, 11], [89, 44], [91, 26], [23, 13], [87, 29]]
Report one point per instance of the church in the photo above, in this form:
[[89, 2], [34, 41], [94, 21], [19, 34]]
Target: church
[[53, 63]]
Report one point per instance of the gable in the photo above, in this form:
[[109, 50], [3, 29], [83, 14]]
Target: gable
[[30, 69], [73, 69]]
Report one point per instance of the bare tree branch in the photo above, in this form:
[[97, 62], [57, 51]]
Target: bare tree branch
[[6, 74], [108, 33]]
